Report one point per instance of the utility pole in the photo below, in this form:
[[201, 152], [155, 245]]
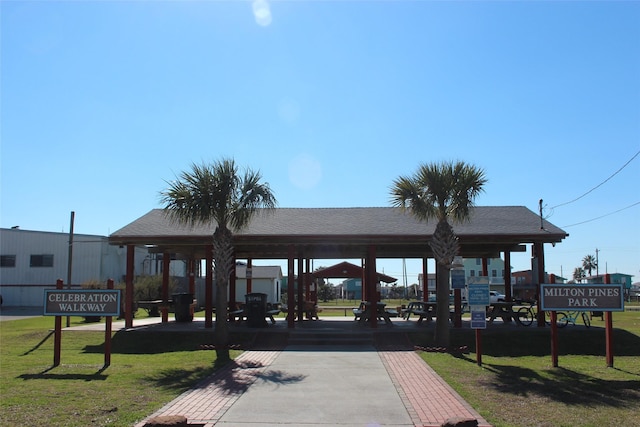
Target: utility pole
[[541, 219], [597, 263], [70, 258]]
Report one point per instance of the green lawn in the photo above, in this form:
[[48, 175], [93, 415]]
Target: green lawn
[[516, 385], [147, 370]]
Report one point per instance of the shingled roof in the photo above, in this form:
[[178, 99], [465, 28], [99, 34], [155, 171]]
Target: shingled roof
[[346, 233]]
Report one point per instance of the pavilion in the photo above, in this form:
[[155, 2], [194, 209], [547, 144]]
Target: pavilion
[[300, 235]]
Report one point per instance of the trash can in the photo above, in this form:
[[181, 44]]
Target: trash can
[[256, 306], [182, 307]]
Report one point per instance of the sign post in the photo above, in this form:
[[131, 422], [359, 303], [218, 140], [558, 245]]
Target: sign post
[[478, 298], [89, 302], [57, 337], [589, 297]]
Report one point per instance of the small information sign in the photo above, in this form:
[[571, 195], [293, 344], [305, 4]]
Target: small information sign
[[457, 279], [479, 294], [478, 317]]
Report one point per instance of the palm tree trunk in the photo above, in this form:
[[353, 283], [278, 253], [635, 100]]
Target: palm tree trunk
[[442, 335], [223, 255], [445, 247]]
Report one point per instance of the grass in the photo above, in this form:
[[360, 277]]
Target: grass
[[515, 386], [147, 370]]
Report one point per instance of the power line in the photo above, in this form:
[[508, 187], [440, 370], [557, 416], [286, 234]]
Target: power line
[[599, 185], [602, 216]]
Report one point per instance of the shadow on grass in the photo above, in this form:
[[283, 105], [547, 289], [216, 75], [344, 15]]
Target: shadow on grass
[[564, 385], [532, 341], [37, 346], [47, 375], [234, 377]]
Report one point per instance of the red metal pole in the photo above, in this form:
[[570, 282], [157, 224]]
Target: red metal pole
[[554, 339], [539, 255], [457, 308], [107, 333], [479, 346], [57, 338], [608, 319]]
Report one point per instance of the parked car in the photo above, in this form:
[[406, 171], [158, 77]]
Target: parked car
[[495, 296]]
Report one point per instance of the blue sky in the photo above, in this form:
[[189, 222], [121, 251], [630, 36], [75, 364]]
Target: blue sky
[[104, 102]]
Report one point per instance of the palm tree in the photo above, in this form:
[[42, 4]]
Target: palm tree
[[578, 275], [217, 193], [442, 191], [589, 263]]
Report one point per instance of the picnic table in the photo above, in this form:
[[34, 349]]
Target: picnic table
[[364, 312], [152, 307], [423, 309], [240, 313], [503, 309]]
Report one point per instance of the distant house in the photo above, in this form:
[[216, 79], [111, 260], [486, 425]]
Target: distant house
[[264, 279], [473, 268], [352, 288], [31, 261], [523, 285], [623, 279]]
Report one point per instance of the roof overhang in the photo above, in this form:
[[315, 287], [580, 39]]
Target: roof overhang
[[345, 233]]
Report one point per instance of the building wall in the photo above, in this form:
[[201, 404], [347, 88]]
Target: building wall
[[93, 260]]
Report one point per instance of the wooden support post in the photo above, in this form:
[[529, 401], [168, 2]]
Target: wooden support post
[[107, 333], [300, 289], [479, 346], [508, 292], [57, 337], [166, 267], [208, 288], [291, 301], [608, 320], [128, 298], [249, 276], [232, 293], [371, 277], [554, 339], [457, 308], [425, 280]]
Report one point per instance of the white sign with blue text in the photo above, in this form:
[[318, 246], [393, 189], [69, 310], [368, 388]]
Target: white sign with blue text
[[478, 294], [478, 317]]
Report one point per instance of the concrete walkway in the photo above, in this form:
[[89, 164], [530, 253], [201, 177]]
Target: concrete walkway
[[350, 386]]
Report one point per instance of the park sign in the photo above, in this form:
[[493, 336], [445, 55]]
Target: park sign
[[457, 278], [576, 297], [82, 302]]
